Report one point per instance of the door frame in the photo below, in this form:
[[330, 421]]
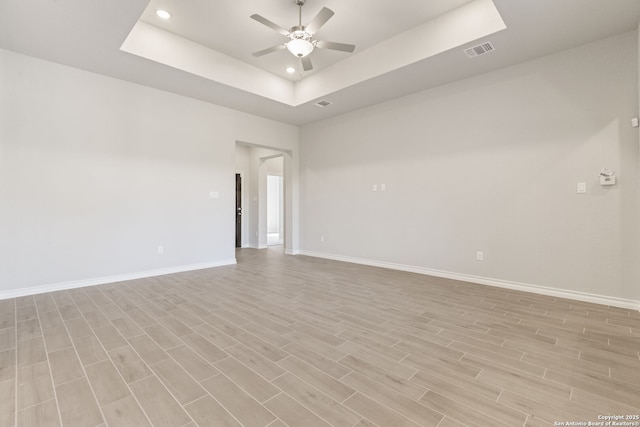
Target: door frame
[[238, 210], [254, 189]]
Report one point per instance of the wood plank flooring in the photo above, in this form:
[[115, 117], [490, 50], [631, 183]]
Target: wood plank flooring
[[296, 341]]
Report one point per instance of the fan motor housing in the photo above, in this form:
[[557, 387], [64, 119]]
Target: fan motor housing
[[299, 32]]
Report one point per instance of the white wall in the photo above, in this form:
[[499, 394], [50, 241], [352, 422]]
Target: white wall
[[489, 164], [96, 173], [275, 166]]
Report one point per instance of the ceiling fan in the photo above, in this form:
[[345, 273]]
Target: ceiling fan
[[301, 42]]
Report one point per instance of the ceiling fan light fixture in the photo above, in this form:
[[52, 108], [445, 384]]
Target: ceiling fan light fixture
[[300, 47], [301, 42]]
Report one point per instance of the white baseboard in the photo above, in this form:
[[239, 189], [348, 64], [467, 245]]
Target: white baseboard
[[13, 293], [255, 247], [526, 287]]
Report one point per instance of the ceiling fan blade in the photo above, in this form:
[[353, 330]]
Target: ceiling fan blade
[[269, 50], [335, 46], [320, 19], [270, 24], [306, 63]]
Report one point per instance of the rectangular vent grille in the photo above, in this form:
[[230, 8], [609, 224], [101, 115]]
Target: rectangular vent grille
[[322, 104], [480, 49]]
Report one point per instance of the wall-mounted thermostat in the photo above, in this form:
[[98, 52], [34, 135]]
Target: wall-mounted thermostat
[[607, 180], [607, 177]]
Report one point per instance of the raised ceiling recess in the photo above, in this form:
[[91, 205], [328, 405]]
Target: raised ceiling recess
[[216, 44]]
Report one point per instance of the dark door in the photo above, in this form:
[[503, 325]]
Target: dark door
[[238, 210]]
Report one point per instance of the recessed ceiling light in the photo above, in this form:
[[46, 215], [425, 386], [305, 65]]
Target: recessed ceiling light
[[163, 14], [291, 70]]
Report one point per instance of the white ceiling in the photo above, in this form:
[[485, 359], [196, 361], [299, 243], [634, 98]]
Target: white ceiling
[[89, 34], [225, 26]]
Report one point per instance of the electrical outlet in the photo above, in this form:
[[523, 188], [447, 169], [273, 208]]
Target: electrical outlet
[[160, 250], [581, 188], [480, 256], [321, 239]]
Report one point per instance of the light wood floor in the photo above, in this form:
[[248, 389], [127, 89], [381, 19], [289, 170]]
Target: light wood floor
[[280, 340]]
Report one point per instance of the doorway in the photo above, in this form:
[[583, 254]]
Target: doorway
[[255, 163], [275, 210], [275, 200]]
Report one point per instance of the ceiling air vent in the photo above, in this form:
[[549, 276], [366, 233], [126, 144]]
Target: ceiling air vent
[[322, 104], [480, 49]]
